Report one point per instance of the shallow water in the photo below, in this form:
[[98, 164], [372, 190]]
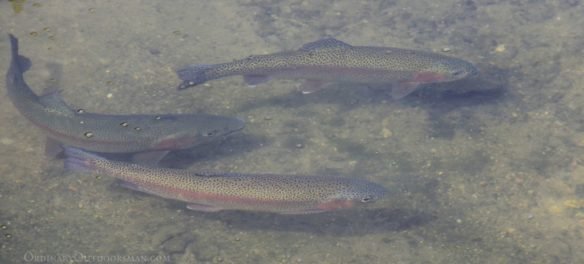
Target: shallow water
[[489, 170]]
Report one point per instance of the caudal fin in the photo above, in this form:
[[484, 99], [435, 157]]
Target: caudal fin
[[19, 62], [79, 160], [193, 75]]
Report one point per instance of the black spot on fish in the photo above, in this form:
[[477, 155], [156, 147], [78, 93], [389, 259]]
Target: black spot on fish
[[367, 199], [458, 73], [211, 133]]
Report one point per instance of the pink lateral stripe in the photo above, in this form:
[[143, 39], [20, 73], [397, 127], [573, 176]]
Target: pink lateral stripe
[[190, 196]]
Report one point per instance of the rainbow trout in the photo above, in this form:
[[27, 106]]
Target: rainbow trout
[[212, 192], [329, 60], [151, 135]]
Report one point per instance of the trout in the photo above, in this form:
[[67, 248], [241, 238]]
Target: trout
[[212, 192], [149, 135], [328, 61]]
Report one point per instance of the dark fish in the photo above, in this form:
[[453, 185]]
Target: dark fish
[[330, 60], [154, 134], [211, 192]]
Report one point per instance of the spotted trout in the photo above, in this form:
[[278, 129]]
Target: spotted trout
[[212, 192], [329, 60], [146, 134]]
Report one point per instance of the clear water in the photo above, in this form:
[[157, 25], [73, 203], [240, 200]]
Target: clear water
[[489, 170]]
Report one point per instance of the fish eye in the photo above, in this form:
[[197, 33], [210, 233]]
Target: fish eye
[[367, 199], [458, 73], [211, 133]]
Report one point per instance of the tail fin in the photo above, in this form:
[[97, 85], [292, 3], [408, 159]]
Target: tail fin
[[79, 160], [21, 63], [193, 75]]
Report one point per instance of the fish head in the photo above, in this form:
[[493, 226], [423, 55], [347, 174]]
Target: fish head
[[220, 126], [446, 70], [354, 193], [198, 129], [368, 192]]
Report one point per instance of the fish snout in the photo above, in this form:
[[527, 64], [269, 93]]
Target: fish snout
[[372, 193], [239, 124], [465, 70], [236, 125]]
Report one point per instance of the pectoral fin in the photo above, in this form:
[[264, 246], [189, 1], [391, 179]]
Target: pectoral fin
[[402, 89], [203, 207], [312, 86]]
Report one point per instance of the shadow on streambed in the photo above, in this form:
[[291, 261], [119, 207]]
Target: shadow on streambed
[[339, 223]]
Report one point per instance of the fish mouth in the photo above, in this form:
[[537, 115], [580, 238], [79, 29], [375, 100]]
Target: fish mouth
[[472, 73], [235, 128], [240, 125], [469, 72]]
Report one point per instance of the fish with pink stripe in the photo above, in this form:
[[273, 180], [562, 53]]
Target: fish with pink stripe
[[212, 192]]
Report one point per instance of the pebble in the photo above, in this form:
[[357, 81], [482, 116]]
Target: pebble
[[386, 132], [6, 141], [578, 139]]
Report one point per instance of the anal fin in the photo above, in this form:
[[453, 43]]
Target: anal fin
[[54, 149], [149, 158], [253, 80], [135, 187], [303, 211], [203, 207]]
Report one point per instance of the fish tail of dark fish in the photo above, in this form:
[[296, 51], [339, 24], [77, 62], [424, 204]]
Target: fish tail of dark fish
[[20, 62], [79, 160], [193, 75]]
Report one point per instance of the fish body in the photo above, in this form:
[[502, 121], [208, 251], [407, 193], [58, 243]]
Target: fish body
[[331, 60], [211, 192], [109, 133]]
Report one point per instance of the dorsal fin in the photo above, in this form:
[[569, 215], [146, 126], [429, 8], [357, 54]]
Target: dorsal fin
[[24, 63], [54, 102], [327, 43]]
